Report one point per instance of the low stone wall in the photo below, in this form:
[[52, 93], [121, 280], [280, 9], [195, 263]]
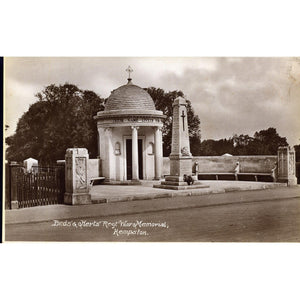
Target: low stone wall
[[208, 164], [248, 164]]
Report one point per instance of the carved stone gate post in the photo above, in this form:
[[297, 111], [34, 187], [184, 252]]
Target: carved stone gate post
[[287, 165], [76, 179]]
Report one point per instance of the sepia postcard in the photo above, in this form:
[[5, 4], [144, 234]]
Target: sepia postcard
[[152, 149]]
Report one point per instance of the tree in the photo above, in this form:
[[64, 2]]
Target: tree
[[268, 141], [61, 118], [220, 147], [208, 148], [264, 142], [241, 144], [163, 101]]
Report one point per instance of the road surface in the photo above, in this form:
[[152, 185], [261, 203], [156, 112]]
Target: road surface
[[272, 220]]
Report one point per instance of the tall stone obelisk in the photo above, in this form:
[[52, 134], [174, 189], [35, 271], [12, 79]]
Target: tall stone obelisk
[[180, 157]]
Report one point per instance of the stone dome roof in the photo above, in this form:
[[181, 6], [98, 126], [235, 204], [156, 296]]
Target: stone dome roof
[[128, 97]]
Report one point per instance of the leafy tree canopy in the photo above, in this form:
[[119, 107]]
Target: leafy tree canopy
[[61, 118], [264, 142]]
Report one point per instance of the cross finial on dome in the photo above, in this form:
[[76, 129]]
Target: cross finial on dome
[[129, 70]]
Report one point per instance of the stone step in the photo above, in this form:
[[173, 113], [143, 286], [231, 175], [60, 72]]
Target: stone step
[[173, 183], [174, 178]]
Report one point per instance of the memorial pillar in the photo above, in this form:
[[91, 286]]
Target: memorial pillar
[[76, 177], [135, 157], [180, 157], [180, 177], [158, 152]]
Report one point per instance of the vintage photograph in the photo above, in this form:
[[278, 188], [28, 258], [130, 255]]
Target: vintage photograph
[[152, 149]]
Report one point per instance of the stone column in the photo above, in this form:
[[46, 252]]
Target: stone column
[[180, 157], [287, 165], [99, 142], [135, 157], [76, 177], [107, 163], [158, 152]]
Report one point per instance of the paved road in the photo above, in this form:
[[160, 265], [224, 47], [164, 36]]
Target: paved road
[[273, 220]]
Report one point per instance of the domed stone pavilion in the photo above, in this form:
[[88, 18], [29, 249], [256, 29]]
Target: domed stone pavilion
[[130, 138]]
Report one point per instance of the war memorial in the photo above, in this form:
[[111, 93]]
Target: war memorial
[[131, 178], [131, 166], [130, 154]]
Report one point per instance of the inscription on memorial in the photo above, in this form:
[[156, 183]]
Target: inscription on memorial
[[134, 119], [292, 164], [80, 170]]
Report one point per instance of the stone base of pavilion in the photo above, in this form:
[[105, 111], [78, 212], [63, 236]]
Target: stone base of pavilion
[[177, 183]]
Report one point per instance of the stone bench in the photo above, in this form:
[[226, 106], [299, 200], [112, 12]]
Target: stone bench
[[270, 174], [236, 175], [217, 174], [239, 175], [92, 180]]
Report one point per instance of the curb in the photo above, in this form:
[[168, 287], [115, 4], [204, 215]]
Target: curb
[[129, 205]]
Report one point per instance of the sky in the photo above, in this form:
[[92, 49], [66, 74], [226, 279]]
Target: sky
[[230, 95]]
